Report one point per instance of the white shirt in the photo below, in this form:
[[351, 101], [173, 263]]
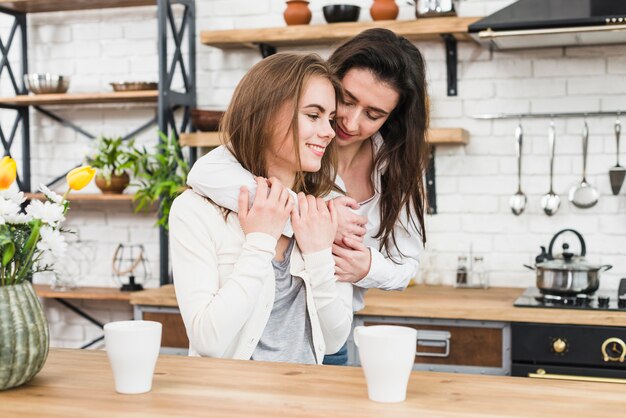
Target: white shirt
[[219, 176], [225, 283]]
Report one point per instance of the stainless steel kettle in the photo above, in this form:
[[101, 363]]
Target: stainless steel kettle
[[568, 274]]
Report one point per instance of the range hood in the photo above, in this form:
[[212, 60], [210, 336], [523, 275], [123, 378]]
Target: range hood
[[550, 23]]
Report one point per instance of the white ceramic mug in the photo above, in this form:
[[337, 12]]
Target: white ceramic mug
[[133, 348], [387, 354]]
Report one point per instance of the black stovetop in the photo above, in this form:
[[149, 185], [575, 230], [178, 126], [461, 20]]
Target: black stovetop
[[533, 298]]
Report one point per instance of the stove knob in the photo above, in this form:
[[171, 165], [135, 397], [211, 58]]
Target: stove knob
[[603, 301], [559, 345]]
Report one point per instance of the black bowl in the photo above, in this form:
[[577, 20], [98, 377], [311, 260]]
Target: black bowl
[[341, 13]]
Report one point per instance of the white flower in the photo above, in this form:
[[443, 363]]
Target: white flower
[[49, 213], [8, 207], [52, 245], [13, 195], [50, 195], [20, 218]]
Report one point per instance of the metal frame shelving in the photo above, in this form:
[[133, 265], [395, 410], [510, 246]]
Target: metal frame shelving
[[168, 101]]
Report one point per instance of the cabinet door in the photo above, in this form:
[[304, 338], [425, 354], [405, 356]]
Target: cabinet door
[[452, 345], [467, 346]]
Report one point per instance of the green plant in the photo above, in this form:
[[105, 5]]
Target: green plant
[[160, 176], [113, 156]]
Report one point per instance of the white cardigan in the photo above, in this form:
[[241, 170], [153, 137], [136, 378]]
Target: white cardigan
[[219, 175], [225, 283]]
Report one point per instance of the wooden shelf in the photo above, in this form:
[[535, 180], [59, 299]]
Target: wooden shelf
[[414, 30], [85, 197], [436, 136], [448, 136], [39, 6], [150, 96], [83, 293], [200, 139]]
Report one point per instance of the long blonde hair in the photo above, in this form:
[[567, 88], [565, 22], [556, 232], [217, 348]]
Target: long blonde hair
[[248, 124]]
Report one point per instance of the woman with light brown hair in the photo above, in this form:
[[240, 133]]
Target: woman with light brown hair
[[246, 291], [381, 125]]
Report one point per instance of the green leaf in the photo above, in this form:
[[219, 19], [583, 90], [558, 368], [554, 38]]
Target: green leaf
[[8, 251]]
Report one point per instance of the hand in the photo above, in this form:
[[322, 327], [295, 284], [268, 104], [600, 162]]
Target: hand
[[352, 260], [314, 223], [269, 212], [350, 225]]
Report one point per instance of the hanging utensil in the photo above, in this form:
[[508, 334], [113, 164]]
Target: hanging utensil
[[551, 201], [518, 200], [617, 173], [584, 195]]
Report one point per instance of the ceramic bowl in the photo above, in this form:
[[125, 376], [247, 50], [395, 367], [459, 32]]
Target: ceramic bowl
[[341, 13]]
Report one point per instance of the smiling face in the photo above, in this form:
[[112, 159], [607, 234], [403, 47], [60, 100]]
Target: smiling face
[[314, 115], [367, 104]]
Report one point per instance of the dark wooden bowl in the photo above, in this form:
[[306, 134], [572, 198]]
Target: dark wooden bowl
[[206, 120]]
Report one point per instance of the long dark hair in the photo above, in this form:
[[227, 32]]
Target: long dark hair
[[248, 124], [395, 61]]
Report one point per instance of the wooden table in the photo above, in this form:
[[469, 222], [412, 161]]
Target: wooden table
[[76, 383], [83, 293]]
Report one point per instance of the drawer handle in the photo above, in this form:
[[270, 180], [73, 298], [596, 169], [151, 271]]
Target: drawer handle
[[440, 339], [541, 374]]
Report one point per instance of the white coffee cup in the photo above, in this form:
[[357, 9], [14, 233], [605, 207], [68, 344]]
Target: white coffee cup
[[387, 354], [133, 348]]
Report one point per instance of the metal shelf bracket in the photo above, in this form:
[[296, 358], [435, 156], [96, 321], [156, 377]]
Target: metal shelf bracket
[[451, 63]]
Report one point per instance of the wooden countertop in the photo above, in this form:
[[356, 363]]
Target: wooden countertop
[[160, 296], [76, 383], [442, 302], [493, 304]]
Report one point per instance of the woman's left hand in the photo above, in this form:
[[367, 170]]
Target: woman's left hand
[[352, 261]]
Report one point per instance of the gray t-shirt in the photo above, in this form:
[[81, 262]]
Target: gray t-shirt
[[287, 336]]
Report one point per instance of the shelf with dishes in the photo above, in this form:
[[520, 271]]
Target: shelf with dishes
[[149, 96], [436, 136], [414, 30], [42, 6]]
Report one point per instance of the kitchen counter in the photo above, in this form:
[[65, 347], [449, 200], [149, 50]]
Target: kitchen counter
[[76, 383], [443, 302]]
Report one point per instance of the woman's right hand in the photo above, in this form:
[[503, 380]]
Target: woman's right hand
[[270, 210], [314, 223], [350, 225]]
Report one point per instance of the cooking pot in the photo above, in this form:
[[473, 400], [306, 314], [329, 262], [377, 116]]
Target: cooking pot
[[568, 274]]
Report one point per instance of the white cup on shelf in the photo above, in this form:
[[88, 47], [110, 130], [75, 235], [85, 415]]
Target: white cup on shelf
[[387, 354], [133, 348]]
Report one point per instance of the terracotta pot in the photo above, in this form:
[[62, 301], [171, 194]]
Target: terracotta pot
[[115, 186], [297, 12], [384, 10], [24, 336]]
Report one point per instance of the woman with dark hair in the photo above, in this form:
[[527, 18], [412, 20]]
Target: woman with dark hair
[[381, 125], [244, 290]]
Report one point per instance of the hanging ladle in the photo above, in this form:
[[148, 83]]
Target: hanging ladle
[[617, 173], [518, 200], [584, 195], [551, 201]]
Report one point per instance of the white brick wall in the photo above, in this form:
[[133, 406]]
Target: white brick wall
[[474, 182]]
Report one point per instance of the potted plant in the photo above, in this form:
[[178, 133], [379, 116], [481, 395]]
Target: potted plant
[[160, 176], [113, 158], [30, 242]]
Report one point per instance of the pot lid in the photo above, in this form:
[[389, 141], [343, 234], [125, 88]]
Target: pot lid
[[569, 264]]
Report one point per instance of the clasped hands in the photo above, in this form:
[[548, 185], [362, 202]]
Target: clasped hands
[[317, 224]]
